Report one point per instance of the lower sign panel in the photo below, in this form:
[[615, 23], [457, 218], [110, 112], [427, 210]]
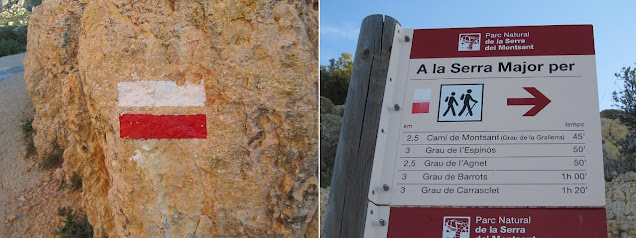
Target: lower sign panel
[[497, 222]]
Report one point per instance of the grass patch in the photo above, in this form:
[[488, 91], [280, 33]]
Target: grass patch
[[76, 182], [54, 159], [27, 136], [74, 226], [27, 125]]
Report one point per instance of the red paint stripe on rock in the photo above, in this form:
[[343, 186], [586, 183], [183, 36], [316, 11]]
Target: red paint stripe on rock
[[145, 126]]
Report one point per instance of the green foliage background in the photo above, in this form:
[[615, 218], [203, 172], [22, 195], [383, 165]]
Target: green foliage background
[[625, 99], [13, 40], [334, 78]]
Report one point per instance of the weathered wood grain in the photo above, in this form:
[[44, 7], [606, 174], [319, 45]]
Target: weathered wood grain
[[346, 209]]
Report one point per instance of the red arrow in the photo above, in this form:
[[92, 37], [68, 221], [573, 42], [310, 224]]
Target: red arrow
[[539, 101]]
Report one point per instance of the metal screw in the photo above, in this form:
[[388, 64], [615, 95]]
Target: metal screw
[[397, 107], [390, 79], [385, 187], [407, 39], [382, 130], [382, 222]]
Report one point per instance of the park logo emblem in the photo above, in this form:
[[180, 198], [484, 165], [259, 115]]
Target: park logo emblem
[[469, 42], [421, 100], [456, 227]]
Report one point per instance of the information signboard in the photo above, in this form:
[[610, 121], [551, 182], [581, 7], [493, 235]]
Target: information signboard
[[493, 116]]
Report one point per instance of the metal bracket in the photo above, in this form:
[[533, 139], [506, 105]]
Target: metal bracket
[[377, 223], [390, 119]]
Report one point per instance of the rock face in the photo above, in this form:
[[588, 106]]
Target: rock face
[[621, 206], [326, 106], [324, 197], [612, 131], [251, 169], [614, 163], [330, 126], [338, 110]]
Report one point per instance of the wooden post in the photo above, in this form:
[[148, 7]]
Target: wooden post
[[347, 205]]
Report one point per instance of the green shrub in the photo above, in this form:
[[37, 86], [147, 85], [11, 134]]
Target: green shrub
[[16, 33], [27, 136], [74, 227], [76, 182], [10, 47], [610, 113], [625, 99], [54, 159], [334, 78], [13, 40], [27, 125], [34, 3]]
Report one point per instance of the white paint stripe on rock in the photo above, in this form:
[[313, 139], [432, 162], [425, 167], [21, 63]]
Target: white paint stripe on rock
[[160, 94]]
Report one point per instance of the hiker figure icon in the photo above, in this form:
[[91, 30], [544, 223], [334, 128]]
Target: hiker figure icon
[[451, 100], [460, 102], [467, 99]]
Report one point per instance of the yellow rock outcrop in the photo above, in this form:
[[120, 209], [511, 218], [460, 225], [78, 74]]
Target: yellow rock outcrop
[[255, 174]]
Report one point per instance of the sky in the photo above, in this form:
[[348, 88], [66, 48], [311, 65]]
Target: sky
[[614, 25]]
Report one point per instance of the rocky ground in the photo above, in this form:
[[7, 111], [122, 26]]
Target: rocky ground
[[29, 196]]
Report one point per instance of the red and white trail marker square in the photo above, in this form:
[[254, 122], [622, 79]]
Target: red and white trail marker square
[[421, 100], [152, 94]]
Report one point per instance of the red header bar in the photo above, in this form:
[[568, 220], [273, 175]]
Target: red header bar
[[405, 222], [503, 41]]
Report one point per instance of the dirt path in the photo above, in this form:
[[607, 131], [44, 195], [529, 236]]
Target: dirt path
[[29, 196]]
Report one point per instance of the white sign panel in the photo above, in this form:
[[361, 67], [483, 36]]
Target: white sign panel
[[498, 116]]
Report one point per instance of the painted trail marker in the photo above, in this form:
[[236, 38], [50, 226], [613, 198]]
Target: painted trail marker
[[145, 126], [160, 94], [494, 117], [152, 94]]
